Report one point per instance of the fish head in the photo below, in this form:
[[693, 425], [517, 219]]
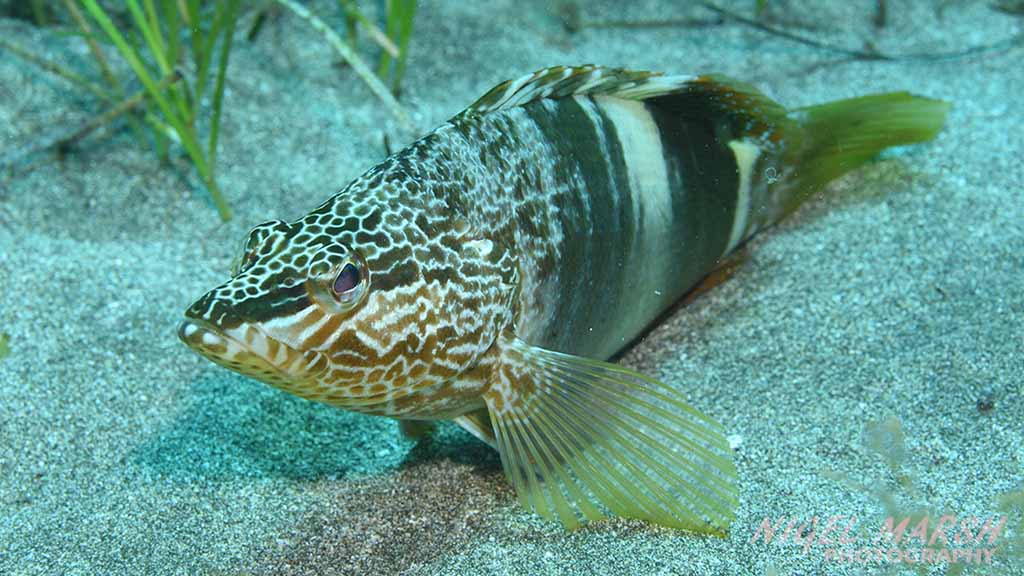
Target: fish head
[[354, 305]]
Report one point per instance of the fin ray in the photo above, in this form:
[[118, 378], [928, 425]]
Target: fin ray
[[658, 499], [614, 501], [590, 512], [652, 464], [643, 419], [549, 468], [566, 81], [616, 413], [578, 435], [609, 492]]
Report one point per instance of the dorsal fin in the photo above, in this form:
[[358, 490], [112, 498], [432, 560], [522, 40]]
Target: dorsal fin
[[749, 111], [564, 81]]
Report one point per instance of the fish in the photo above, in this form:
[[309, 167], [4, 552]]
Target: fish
[[490, 272]]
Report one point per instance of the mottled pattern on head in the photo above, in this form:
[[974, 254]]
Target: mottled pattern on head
[[438, 292]]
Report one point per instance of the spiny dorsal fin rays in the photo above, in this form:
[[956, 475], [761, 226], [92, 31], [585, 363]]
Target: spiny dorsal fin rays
[[563, 81], [749, 110], [575, 434]]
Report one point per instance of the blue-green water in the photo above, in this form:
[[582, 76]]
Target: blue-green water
[[895, 294]]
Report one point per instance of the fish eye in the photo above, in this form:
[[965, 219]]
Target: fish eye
[[338, 278], [347, 281]]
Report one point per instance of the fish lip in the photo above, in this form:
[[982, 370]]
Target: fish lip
[[213, 342], [200, 335]]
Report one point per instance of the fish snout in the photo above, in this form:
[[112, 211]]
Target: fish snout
[[249, 351], [202, 338]]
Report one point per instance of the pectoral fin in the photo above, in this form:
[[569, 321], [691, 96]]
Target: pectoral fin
[[579, 436]]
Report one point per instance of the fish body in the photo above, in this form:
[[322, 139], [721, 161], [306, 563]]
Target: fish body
[[487, 272]]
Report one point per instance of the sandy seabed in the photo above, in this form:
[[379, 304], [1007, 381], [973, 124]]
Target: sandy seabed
[[897, 294]]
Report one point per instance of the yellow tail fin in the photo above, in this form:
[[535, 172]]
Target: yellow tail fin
[[840, 136]]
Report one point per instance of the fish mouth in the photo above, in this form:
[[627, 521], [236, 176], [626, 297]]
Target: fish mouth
[[203, 338], [249, 351]]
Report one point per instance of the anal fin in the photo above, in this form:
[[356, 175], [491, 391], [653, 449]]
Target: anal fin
[[578, 437], [723, 272]]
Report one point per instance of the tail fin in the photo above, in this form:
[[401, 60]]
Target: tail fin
[[840, 136]]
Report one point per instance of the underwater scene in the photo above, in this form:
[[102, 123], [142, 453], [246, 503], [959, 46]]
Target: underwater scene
[[511, 287]]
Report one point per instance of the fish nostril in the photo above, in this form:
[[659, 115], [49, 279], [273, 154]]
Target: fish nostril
[[197, 307], [186, 331]]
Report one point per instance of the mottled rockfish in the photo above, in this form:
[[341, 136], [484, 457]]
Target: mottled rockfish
[[487, 272]]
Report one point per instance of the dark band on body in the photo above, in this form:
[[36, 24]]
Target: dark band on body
[[596, 243], [704, 180]]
